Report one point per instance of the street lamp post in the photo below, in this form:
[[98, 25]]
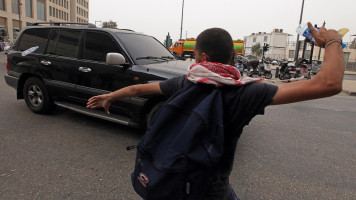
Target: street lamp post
[[181, 24], [297, 46]]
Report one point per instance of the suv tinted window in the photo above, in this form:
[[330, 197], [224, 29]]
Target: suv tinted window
[[97, 45], [64, 43], [34, 37]]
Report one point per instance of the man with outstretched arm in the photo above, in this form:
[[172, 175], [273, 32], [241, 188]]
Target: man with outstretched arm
[[242, 99]]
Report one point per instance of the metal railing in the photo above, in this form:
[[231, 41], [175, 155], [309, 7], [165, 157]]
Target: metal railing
[[351, 65]]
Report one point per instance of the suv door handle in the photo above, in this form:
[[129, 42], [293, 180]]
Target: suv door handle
[[84, 69], [45, 62]]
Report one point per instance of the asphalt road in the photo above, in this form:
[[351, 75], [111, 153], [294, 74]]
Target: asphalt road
[[303, 150]]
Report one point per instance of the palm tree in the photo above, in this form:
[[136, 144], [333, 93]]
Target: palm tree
[[353, 44], [256, 49]]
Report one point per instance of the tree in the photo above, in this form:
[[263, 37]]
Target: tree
[[109, 24], [256, 49], [353, 44]]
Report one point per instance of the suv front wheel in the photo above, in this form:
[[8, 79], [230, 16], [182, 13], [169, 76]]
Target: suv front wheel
[[36, 96], [152, 112]]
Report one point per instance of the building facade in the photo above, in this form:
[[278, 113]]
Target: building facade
[[318, 54], [17, 14], [277, 41], [282, 47]]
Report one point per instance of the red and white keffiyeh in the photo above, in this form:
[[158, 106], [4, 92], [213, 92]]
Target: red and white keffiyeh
[[217, 74]]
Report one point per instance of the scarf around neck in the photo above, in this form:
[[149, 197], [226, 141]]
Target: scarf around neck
[[217, 74]]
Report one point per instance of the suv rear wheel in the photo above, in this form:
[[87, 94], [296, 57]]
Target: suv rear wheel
[[36, 96]]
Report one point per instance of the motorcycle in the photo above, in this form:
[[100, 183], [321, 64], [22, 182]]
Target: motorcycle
[[253, 72], [253, 64], [264, 70], [287, 71]]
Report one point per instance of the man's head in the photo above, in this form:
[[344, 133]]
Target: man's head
[[214, 45]]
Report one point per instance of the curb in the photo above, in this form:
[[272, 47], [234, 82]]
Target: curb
[[350, 93]]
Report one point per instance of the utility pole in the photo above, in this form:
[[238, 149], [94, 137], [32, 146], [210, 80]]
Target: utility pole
[[181, 24], [297, 46]]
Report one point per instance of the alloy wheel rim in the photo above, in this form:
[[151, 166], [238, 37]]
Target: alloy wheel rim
[[35, 95]]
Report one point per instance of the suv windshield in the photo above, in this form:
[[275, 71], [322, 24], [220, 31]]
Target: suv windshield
[[144, 49]]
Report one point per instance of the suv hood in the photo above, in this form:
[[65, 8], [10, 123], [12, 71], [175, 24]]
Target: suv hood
[[167, 69]]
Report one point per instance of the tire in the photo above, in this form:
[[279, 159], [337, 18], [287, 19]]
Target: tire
[[183, 57], [268, 75], [281, 76], [152, 112], [36, 96], [175, 55], [287, 76]]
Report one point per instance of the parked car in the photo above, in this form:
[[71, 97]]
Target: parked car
[[274, 62], [252, 62], [241, 59], [248, 61], [316, 66], [7, 47], [70, 64]]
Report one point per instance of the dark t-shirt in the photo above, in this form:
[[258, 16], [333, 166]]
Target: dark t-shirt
[[241, 104]]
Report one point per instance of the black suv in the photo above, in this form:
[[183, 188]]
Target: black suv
[[70, 64]]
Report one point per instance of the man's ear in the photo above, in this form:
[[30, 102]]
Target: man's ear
[[204, 57]]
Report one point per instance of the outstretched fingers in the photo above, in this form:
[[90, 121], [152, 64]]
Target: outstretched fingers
[[92, 103], [100, 101]]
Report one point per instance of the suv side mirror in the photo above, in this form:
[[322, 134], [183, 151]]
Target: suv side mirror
[[115, 59]]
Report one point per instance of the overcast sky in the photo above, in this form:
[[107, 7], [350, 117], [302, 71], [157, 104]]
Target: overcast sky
[[239, 17]]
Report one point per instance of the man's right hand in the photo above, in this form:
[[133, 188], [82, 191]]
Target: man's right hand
[[105, 100], [100, 101]]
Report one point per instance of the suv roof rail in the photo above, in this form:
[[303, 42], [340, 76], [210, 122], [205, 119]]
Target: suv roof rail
[[90, 25], [124, 29]]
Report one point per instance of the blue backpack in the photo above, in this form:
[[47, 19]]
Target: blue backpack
[[181, 146]]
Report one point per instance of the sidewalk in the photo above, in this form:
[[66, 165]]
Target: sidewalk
[[349, 87]]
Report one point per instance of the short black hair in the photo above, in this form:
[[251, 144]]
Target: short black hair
[[217, 44]]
